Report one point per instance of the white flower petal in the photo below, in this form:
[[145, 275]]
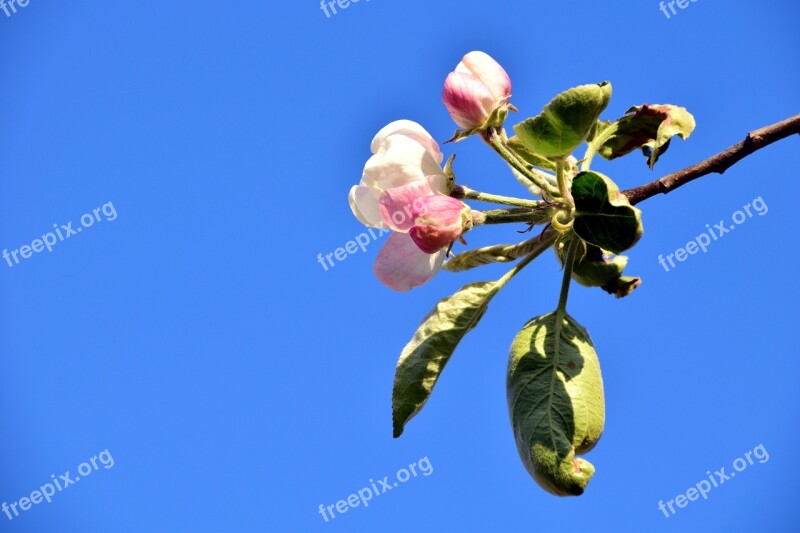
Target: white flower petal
[[364, 202], [410, 129], [438, 183], [399, 161]]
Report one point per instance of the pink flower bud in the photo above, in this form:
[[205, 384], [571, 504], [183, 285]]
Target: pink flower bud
[[432, 220], [424, 224], [476, 88], [440, 221]]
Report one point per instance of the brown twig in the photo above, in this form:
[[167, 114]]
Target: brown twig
[[719, 163]]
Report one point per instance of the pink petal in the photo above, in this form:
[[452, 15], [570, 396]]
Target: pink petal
[[399, 204], [401, 265], [431, 239], [439, 210], [468, 99], [485, 68], [438, 221]]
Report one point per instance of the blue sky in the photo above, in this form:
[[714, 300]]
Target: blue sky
[[238, 385]]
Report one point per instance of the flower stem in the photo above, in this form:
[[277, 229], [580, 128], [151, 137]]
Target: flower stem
[[495, 141], [595, 145], [561, 176], [462, 192], [516, 215], [565, 283]]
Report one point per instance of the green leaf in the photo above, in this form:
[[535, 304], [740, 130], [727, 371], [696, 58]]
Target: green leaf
[[603, 215], [622, 286], [500, 253], [598, 130], [556, 403], [599, 268], [529, 156], [596, 267], [424, 358], [565, 122], [649, 128], [460, 135], [495, 119]]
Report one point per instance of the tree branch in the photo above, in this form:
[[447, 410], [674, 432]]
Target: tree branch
[[719, 163]]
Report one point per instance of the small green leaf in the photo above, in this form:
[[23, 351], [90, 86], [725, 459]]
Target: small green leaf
[[649, 128], [600, 268], [500, 253], [622, 286], [565, 122], [529, 156], [495, 119], [556, 402], [598, 130], [460, 135], [595, 268], [603, 215], [425, 357]]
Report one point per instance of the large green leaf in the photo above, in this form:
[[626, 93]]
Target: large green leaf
[[565, 122], [555, 400], [603, 215], [647, 127], [424, 358]]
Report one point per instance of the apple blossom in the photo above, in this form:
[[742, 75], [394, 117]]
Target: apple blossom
[[477, 92], [403, 187], [554, 383], [403, 152]]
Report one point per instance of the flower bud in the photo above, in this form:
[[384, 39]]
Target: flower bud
[[477, 93], [432, 220], [440, 221]]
